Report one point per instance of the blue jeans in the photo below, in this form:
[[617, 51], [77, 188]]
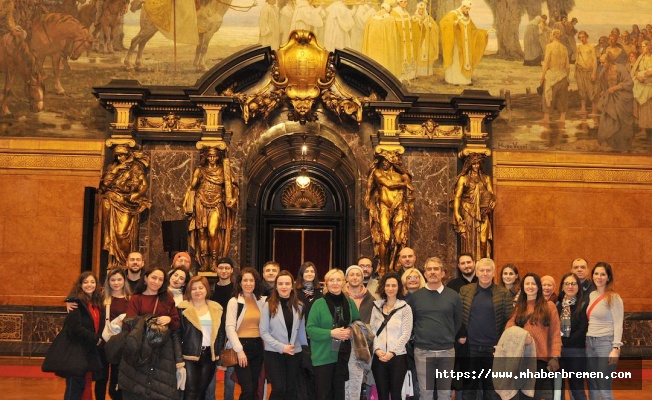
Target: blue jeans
[[74, 387], [597, 353]]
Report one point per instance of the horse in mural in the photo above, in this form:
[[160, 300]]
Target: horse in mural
[[109, 24], [61, 37], [210, 15], [70, 7], [17, 59]]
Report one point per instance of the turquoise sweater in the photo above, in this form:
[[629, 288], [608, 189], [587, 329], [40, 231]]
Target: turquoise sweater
[[320, 324]]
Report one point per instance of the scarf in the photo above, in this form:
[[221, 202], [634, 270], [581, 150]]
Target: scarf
[[565, 318], [357, 298], [308, 291]]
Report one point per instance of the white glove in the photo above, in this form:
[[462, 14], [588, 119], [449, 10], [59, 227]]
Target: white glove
[[181, 378]]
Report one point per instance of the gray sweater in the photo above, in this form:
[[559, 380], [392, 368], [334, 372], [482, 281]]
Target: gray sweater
[[437, 318]]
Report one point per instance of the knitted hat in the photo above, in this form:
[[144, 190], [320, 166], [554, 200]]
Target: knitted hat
[[181, 254], [351, 268], [225, 260]]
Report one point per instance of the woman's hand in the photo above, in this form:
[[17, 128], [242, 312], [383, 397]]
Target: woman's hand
[[387, 356], [341, 333], [242, 359], [613, 356], [288, 349], [163, 320]]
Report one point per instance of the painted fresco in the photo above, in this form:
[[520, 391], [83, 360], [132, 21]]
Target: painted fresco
[[63, 33]]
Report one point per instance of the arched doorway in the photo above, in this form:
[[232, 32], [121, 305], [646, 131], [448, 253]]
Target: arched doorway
[[292, 224]]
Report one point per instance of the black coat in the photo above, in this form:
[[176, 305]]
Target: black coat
[[192, 334], [146, 371]]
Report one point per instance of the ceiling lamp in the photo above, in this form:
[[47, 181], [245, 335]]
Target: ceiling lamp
[[303, 180]]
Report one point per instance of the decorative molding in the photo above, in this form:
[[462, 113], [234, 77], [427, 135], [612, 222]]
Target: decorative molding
[[52, 161], [169, 123], [11, 327], [313, 196], [431, 130]]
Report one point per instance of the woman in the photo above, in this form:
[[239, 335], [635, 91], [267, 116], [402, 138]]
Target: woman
[[548, 287], [642, 76], [572, 316], [84, 325], [242, 330], [308, 290], [411, 281], [178, 277], [539, 317], [200, 324], [391, 322], [510, 280], [328, 329], [116, 297], [283, 331], [153, 376], [605, 313]]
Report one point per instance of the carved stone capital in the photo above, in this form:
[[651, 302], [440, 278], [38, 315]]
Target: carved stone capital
[[122, 114]]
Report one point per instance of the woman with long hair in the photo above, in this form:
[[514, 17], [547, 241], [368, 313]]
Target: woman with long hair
[[309, 289], [328, 328], [84, 324], [283, 331], [200, 326], [510, 280], [391, 322], [156, 375], [539, 317], [243, 314], [571, 306], [178, 279], [116, 297], [605, 313]]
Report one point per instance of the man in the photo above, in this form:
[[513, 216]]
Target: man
[[369, 279], [364, 301], [586, 73], [554, 78], [616, 50], [406, 34], [182, 259], [465, 272], [436, 309], [135, 264], [307, 17], [338, 26], [270, 31], [406, 259], [390, 202], [380, 40], [616, 129], [222, 293], [580, 267], [463, 45], [486, 308], [270, 272]]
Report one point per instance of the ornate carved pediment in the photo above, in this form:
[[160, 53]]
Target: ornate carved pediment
[[312, 196], [169, 123], [431, 130]]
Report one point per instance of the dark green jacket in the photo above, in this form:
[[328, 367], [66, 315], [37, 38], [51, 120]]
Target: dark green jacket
[[503, 306]]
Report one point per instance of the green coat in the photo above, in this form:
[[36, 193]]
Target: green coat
[[319, 326]]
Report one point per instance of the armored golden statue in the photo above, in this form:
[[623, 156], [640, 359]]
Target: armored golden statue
[[123, 187], [473, 204], [390, 201], [211, 202]]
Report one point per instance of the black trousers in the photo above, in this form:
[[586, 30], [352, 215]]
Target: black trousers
[[389, 376], [282, 372], [482, 359], [329, 385], [248, 376], [199, 375]]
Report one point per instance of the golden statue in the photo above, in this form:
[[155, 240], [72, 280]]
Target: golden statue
[[211, 202], [390, 201], [473, 205], [123, 189]]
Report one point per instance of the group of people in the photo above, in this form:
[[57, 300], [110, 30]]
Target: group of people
[[405, 43], [614, 76], [334, 340]]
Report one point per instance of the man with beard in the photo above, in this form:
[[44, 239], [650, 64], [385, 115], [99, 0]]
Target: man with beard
[[463, 45], [135, 264], [465, 272], [270, 272], [368, 279]]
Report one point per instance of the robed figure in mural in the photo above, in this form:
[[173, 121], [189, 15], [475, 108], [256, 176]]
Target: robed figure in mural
[[390, 200], [123, 187], [473, 206], [211, 203], [463, 45]]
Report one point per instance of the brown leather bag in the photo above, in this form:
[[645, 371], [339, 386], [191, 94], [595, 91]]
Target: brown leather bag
[[228, 357]]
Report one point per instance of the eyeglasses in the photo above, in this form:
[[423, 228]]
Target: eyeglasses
[[364, 265], [412, 278], [570, 283]]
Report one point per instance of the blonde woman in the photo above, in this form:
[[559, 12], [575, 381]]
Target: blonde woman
[[412, 280], [116, 297]]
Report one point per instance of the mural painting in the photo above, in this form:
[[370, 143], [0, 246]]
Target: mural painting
[[561, 99]]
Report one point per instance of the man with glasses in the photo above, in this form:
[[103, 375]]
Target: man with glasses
[[368, 279], [435, 308]]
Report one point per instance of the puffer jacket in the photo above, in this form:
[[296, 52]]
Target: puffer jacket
[[149, 372]]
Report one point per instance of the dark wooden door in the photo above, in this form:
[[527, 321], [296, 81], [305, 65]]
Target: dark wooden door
[[294, 246]]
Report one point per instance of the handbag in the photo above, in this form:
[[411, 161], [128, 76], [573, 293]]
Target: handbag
[[111, 328], [66, 357], [228, 357]]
